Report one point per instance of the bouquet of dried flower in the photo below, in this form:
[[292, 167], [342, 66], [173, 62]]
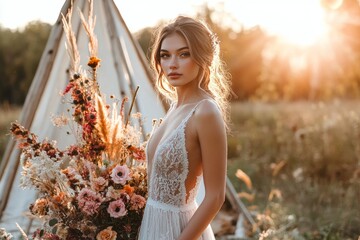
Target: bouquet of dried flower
[[95, 188]]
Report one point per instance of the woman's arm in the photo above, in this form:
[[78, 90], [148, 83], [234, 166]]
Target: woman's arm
[[212, 137]]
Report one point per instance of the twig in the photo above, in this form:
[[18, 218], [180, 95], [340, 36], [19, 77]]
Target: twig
[[131, 106], [240, 204], [22, 232]]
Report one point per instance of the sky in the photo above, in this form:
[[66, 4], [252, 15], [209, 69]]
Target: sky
[[297, 21], [136, 13]]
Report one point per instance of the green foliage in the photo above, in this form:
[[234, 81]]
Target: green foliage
[[145, 37], [306, 155], [20, 52], [262, 67], [7, 115]]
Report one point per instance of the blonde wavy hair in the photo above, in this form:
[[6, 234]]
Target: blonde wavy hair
[[205, 50]]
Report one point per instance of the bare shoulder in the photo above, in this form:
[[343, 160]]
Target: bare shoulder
[[207, 108], [208, 113]]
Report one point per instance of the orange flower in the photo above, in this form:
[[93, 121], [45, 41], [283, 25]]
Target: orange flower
[[128, 189], [59, 198], [65, 171], [137, 202], [106, 234], [93, 62], [40, 207]]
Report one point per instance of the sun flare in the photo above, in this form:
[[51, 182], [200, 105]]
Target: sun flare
[[299, 22]]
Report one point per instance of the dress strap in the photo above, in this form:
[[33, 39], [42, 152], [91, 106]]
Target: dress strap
[[193, 111]]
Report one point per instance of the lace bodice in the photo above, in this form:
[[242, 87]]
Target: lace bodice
[[169, 169]]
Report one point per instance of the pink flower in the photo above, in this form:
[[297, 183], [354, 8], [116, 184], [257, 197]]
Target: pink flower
[[137, 202], [89, 201], [87, 128], [98, 184], [120, 174], [86, 194], [117, 209], [90, 207]]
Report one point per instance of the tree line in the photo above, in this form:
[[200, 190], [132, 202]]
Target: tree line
[[20, 53], [262, 68]]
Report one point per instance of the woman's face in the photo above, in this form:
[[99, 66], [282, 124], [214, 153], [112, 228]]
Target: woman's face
[[176, 62]]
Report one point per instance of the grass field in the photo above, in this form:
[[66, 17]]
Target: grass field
[[303, 164], [303, 160]]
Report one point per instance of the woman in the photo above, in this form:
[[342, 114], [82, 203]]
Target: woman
[[190, 144]]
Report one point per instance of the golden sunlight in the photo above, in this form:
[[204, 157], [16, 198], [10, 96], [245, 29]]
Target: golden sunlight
[[332, 4], [299, 22]]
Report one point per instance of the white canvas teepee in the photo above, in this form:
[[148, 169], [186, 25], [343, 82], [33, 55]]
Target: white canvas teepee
[[122, 69]]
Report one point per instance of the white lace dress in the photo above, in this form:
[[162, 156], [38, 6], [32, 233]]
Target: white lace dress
[[167, 211]]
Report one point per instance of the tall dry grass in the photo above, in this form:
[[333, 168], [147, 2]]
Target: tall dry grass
[[304, 163], [7, 115]]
